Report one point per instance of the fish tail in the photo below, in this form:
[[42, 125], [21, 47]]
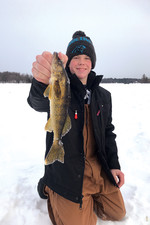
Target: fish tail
[[56, 153]]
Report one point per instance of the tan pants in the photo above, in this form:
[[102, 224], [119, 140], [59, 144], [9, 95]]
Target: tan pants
[[101, 198]]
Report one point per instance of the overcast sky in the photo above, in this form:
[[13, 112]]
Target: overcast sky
[[119, 29]]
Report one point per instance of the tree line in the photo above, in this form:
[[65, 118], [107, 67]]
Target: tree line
[[144, 79], [13, 77]]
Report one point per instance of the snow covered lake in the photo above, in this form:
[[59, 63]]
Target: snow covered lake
[[22, 148]]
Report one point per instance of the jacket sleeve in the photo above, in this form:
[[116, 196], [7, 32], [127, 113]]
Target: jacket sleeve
[[110, 142], [40, 188], [36, 98]]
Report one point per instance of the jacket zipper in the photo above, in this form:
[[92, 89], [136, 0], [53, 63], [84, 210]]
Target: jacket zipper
[[84, 158], [81, 202]]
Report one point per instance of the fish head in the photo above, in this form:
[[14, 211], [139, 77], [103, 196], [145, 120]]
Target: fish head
[[57, 68]]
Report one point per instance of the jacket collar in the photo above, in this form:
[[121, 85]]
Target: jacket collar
[[93, 80], [76, 85]]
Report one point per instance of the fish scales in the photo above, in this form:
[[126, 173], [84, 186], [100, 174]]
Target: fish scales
[[58, 92]]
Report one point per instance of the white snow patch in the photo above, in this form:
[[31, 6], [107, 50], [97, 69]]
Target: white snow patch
[[22, 148]]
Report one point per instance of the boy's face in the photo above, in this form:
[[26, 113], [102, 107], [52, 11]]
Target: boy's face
[[81, 66]]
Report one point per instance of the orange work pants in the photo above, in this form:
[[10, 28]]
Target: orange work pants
[[101, 198]]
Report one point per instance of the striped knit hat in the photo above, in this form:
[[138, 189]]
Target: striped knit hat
[[81, 45]]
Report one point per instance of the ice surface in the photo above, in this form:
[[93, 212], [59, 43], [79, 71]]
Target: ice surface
[[22, 148]]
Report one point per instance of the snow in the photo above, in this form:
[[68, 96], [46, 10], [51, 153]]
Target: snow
[[22, 148]]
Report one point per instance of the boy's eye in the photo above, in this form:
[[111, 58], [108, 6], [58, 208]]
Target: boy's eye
[[75, 57]]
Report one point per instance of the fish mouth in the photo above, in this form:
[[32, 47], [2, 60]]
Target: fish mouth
[[57, 65], [56, 59], [55, 55]]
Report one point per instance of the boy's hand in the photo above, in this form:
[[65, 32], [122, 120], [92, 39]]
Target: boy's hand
[[118, 176], [41, 68]]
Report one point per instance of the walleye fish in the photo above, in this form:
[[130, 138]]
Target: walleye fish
[[58, 93]]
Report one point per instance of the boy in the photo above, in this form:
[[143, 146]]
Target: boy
[[87, 184]]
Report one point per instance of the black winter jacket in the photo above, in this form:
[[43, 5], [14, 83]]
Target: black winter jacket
[[67, 179]]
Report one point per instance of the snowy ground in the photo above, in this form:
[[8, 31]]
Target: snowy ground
[[22, 147]]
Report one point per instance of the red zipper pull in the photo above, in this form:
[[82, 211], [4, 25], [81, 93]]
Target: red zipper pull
[[98, 112], [76, 115]]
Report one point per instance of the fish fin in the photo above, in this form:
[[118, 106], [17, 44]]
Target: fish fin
[[56, 153], [48, 126], [67, 126], [48, 91]]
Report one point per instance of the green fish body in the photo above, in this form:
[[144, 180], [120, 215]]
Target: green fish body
[[58, 93]]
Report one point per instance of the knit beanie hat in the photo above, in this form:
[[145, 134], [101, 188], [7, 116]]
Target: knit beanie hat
[[81, 45]]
